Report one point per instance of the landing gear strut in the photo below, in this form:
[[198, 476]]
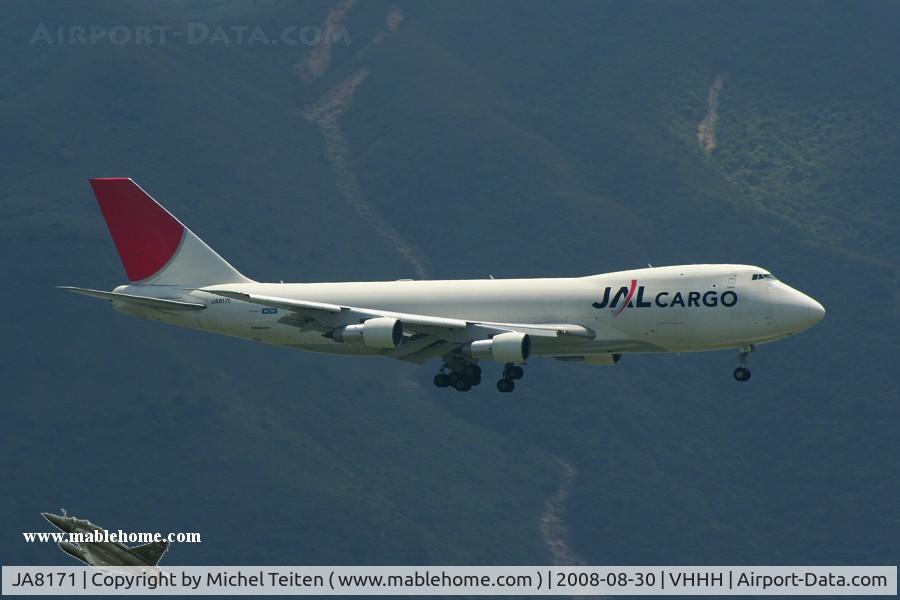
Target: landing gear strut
[[742, 373], [510, 373], [460, 375]]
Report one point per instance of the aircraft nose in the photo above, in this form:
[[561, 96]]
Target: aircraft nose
[[816, 311], [795, 311]]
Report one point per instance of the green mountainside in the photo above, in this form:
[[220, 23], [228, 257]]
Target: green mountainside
[[458, 139]]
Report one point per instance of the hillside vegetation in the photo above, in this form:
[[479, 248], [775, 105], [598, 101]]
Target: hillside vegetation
[[504, 138]]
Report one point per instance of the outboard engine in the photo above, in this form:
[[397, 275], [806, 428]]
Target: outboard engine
[[378, 332]]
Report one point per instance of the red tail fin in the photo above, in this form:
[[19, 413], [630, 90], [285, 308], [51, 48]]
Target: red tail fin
[[154, 246], [145, 234]]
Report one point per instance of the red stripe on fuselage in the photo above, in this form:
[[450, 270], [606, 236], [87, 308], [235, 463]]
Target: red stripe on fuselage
[[145, 234], [622, 306]]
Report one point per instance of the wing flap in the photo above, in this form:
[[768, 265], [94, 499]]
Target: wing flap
[[284, 303], [451, 330], [553, 330], [351, 312]]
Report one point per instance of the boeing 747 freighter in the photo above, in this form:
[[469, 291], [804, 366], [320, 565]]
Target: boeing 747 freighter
[[174, 277]]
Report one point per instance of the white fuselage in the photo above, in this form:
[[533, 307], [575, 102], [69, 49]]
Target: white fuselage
[[668, 309]]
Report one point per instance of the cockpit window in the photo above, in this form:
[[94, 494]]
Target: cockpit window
[[764, 276]]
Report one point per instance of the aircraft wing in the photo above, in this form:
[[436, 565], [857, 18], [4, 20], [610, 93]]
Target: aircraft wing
[[429, 336]]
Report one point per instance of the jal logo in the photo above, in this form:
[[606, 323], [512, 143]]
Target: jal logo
[[632, 296]]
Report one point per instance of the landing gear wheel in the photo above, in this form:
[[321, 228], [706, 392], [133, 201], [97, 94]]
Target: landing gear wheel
[[742, 374], [515, 372], [441, 380], [511, 371], [506, 385], [462, 385], [472, 371]]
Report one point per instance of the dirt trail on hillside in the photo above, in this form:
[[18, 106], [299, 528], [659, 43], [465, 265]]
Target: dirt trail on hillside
[[706, 129], [317, 60], [395, 16], [553, 520], [553, 526], [325, 115]]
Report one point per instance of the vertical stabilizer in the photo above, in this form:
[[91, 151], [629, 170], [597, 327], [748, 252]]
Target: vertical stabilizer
[[155, 247]]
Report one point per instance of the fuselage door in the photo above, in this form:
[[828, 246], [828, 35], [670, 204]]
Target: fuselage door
[[731, 280]]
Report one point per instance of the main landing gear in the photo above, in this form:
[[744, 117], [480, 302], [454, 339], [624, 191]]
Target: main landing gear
[[462, 376], [510, 373], [742, 373]]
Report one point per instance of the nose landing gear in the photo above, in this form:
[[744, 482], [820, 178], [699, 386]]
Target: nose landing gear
[[742, 373]]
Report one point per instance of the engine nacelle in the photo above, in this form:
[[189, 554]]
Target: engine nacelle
[[379, 332], [603, 359], [509, 347]]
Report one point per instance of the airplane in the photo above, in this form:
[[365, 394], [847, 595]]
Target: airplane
[[174, 277], [104, 553]]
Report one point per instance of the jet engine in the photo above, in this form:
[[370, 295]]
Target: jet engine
[[379, 332], [72, 550], [509, 347]]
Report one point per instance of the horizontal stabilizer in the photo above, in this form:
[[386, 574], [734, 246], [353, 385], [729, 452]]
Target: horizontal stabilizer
[[137, 300]]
